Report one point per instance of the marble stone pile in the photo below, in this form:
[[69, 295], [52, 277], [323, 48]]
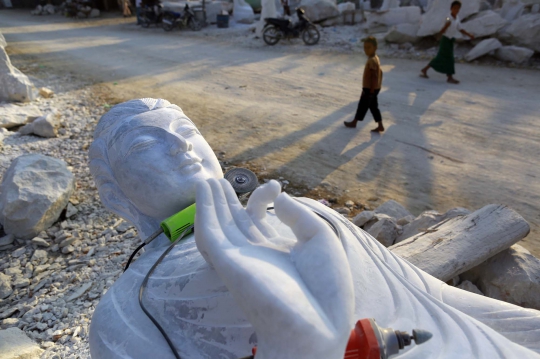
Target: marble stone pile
[[508, 30], [44, 10], [14, 85], [242, 12], [511, 26], [501, 269]]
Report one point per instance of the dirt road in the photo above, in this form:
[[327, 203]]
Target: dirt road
[[282, 108]]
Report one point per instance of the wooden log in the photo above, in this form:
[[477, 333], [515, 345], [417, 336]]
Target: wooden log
[[452, 247]]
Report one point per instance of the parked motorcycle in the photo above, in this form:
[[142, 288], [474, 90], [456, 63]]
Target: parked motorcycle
[[172, 19], [277, 29], [152, 15]]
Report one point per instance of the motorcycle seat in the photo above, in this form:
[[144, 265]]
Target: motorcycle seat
[[278, 22]]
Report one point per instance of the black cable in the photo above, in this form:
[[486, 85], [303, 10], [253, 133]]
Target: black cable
[[133, 255], [146, 241], [143, 287]]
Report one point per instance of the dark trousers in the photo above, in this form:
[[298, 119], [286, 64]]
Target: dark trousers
[[138, 10], [368, 101]]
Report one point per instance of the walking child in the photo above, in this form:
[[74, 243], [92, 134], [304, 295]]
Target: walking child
[[444, 61], [371, 86]]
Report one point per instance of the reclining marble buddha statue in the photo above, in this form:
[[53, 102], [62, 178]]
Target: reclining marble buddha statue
[[283, 279]]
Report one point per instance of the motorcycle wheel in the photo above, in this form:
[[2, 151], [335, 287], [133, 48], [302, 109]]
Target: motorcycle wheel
[[194, 24], [311, 35], [271, 35], [145, 23], [167, 27]]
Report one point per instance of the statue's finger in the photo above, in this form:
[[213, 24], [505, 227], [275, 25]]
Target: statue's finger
[[304, 223], [261, 197], [226, 220], [241, 217], [257, 207], [209, 236]]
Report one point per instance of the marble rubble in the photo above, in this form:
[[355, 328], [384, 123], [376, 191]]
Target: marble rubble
[[525, 31], [469, 287], [393, 209], [44, 126], [512, 22], [243, 13], [34, 191], [48, 9], [14, 115], [212, 257], [14, 85], [512, 9], [512, 276], [485, 23], [318, 10], [514, 54], [346, 7], [46, 92], [402, 33], [394, 16], [385, 230], [3, 42], [14, 344], [482, 48]]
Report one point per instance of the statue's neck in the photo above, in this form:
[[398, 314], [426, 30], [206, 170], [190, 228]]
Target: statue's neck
[[146, 228]]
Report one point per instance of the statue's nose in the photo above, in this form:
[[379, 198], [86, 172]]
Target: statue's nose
[[180, 144]]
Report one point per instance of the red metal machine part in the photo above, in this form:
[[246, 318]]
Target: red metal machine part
[[363, 343], [369, 341]]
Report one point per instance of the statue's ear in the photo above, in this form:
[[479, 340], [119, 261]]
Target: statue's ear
[[114, 199]]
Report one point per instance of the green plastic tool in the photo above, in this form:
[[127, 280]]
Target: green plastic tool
[[176, 224]]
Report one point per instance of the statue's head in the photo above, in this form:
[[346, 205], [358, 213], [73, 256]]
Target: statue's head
[[146, 159]]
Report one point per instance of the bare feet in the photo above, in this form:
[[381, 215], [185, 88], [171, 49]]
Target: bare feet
[[351, 124], [379, 128], [423, 73], [452, 80]]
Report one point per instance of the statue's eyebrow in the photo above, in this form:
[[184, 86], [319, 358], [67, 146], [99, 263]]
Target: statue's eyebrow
[[120, 138], [181, 122]]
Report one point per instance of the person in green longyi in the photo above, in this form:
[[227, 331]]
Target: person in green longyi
[[444, 61]]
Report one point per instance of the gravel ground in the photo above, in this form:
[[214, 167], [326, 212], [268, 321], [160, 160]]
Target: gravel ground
[[58, 282]]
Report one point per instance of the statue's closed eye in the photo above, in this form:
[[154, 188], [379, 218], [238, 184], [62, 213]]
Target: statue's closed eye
[[140, 145], [186, 131]]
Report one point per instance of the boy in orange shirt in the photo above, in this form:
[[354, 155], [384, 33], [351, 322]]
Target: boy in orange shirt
[[371, 86]]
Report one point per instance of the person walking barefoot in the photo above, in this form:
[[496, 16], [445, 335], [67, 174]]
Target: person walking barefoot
[[371, 86], [444, 61]]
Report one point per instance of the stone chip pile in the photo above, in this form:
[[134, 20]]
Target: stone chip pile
[[52, 278]]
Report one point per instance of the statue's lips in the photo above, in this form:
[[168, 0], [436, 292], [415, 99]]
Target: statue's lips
[[189, 162]]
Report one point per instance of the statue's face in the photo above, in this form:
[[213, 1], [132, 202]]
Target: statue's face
[[158, 159]]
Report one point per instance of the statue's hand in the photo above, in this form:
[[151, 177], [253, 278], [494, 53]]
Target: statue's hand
[[298, 298]]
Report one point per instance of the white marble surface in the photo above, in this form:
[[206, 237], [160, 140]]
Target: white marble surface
[[264, 265]]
